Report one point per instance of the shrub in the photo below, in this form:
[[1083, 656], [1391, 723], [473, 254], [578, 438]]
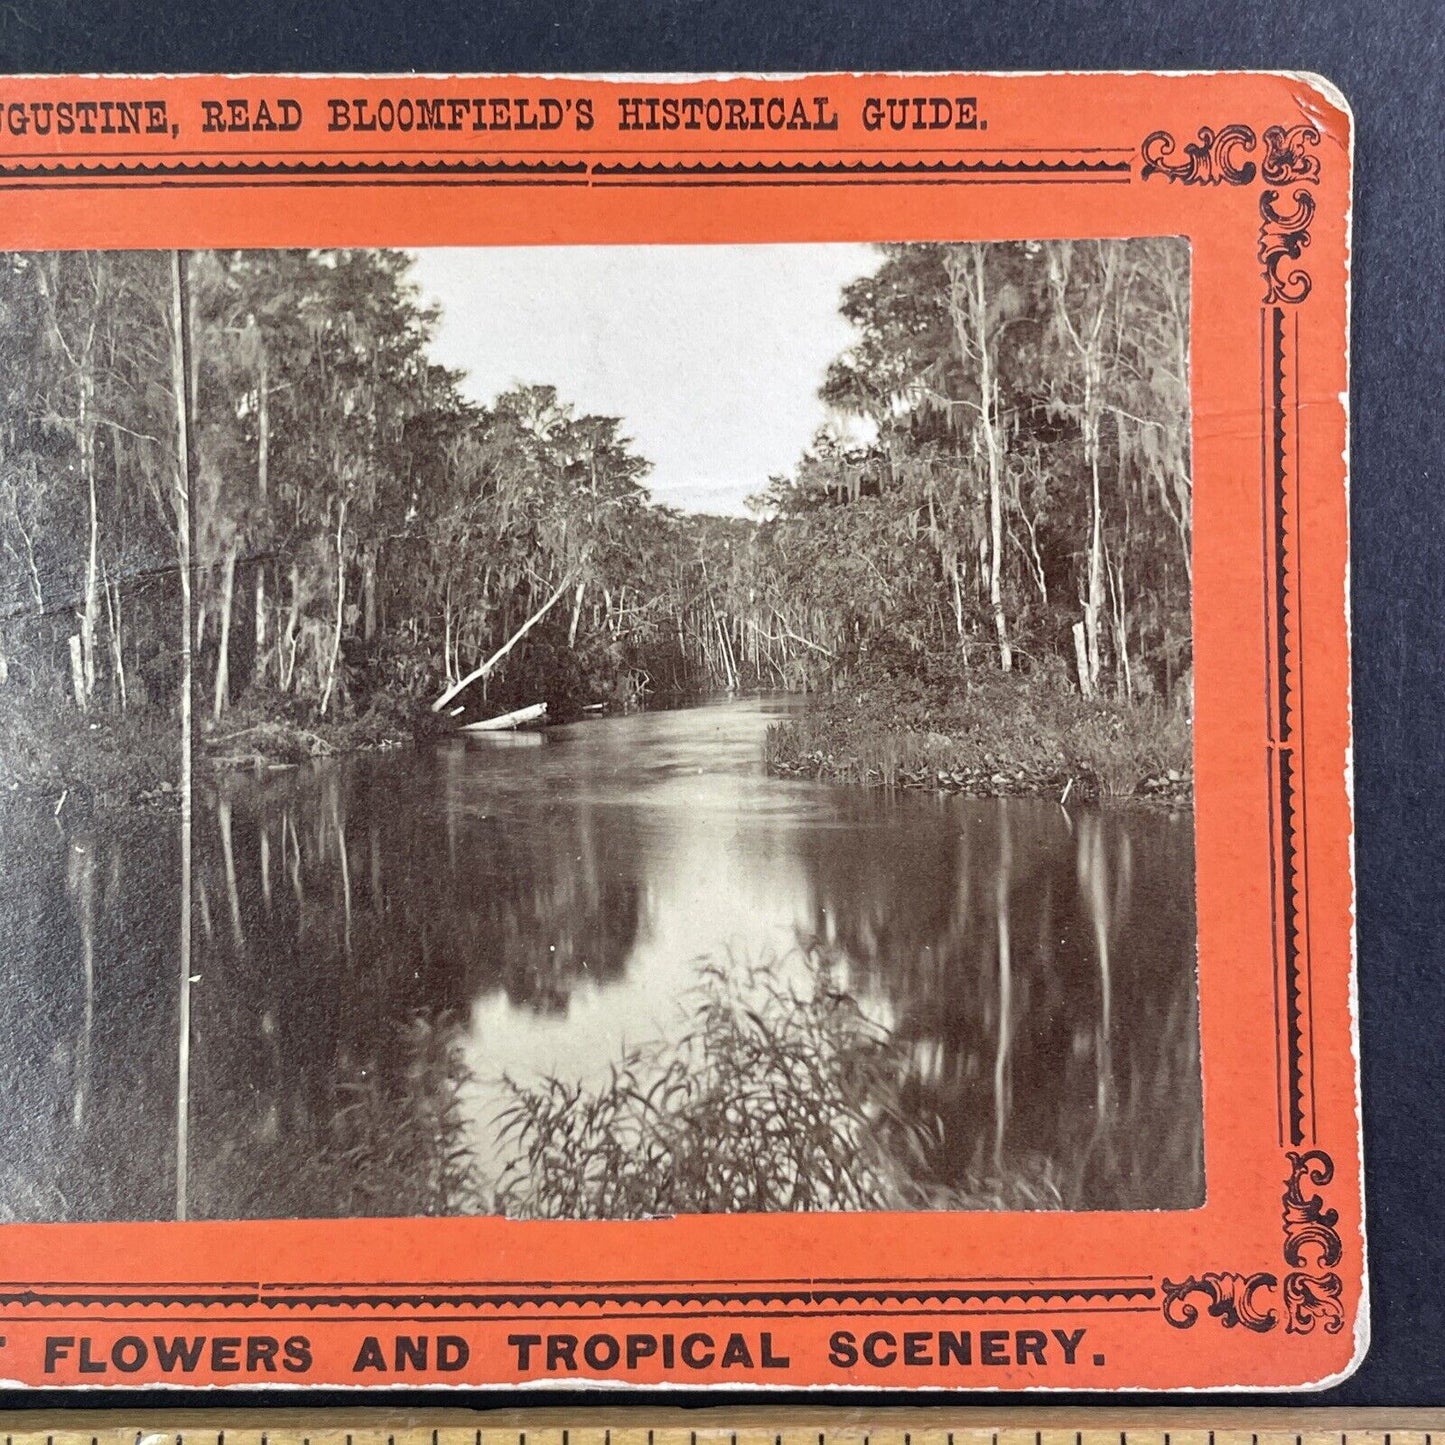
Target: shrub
[[775, 1099]]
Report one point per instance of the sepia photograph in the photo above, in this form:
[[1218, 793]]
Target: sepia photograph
[[597, 732]]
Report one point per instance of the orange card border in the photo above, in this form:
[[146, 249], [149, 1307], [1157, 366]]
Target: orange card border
[[1264, 1285]]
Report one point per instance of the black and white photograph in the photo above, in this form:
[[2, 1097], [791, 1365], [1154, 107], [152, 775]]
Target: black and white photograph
[[597, 732]]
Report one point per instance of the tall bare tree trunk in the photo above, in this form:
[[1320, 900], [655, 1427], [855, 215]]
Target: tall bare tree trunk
[[340, 610], [260, 653], [975, 290], [91, 612], [223, 657], [263, 483], [447, 664], [1086, 337], [576, 613], [1119, 606], [995, 540], [1094, 597], [291, 636], [368, 594], [993, 446], [182, 380], [111, 592], [81, 358]]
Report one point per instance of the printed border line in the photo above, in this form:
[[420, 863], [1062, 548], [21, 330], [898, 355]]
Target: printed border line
[[1061, 169], [917, 1282], [1311, 1290], [400, 153], [1286, 741], [361, 171], [99, 174], [510, 1299], [662, 1316]]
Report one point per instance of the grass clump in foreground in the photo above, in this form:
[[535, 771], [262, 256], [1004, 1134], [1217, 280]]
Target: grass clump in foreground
[[390, 1139], [1026, 734], [399, 1140], [774, 1100]]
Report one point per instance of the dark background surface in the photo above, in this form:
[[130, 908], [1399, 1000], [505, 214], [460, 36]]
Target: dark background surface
[[1389, 58]]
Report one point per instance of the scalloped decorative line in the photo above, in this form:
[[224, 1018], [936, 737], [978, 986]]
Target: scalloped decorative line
[[508, 1299], [181, 171], [662, 169]]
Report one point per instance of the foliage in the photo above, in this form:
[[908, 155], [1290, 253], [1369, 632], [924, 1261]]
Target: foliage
[[1025, 474], [398, 1139], [1033, 734], [1006, 491], [51, 751], [775, 1098], [389, 1140]]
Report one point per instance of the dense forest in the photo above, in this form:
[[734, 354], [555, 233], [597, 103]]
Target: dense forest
[[1004, 501]]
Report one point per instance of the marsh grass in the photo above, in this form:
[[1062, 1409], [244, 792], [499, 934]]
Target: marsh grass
[[776, 1098], [1025, 736], [399, 1141]]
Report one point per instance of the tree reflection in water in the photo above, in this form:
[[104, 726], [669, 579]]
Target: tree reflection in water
[[350, 977], [88, 1070], [1000, 1010], [1038, 966]]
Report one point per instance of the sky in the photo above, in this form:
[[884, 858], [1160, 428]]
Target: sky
[[711, 355]]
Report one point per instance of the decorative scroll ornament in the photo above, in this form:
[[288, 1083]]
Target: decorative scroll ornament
[[1283, 235], [1231, 1299], [1213, 158], [1220, 156], [1312, 1248], [1286, 158]]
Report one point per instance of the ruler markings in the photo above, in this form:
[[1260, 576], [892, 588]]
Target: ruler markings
[[603, 1424]]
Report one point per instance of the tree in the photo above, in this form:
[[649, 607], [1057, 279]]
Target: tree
[[73, 286]]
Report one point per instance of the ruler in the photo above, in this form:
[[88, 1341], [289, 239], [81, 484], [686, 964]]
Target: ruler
[[592, 1424]]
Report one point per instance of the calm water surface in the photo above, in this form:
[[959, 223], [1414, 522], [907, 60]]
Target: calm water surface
[[380, 939]]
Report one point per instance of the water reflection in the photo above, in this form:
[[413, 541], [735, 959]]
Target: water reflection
[[378, 942], [1039, 964]]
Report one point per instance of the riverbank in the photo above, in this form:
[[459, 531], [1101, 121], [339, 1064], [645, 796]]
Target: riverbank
[[59, 758], [1008, 737]]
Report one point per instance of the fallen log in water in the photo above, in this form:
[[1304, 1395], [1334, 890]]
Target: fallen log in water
[[477, 674], [508, 720]]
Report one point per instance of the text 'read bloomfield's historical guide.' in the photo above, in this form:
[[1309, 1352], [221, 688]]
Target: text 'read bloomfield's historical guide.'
[[680, 730]]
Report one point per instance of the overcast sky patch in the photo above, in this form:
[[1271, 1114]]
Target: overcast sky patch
[[711, 355]]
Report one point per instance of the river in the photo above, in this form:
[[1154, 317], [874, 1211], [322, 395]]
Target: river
[[542, 972]]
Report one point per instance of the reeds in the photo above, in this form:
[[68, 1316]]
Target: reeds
[[775, 1099], [399, 1142]]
